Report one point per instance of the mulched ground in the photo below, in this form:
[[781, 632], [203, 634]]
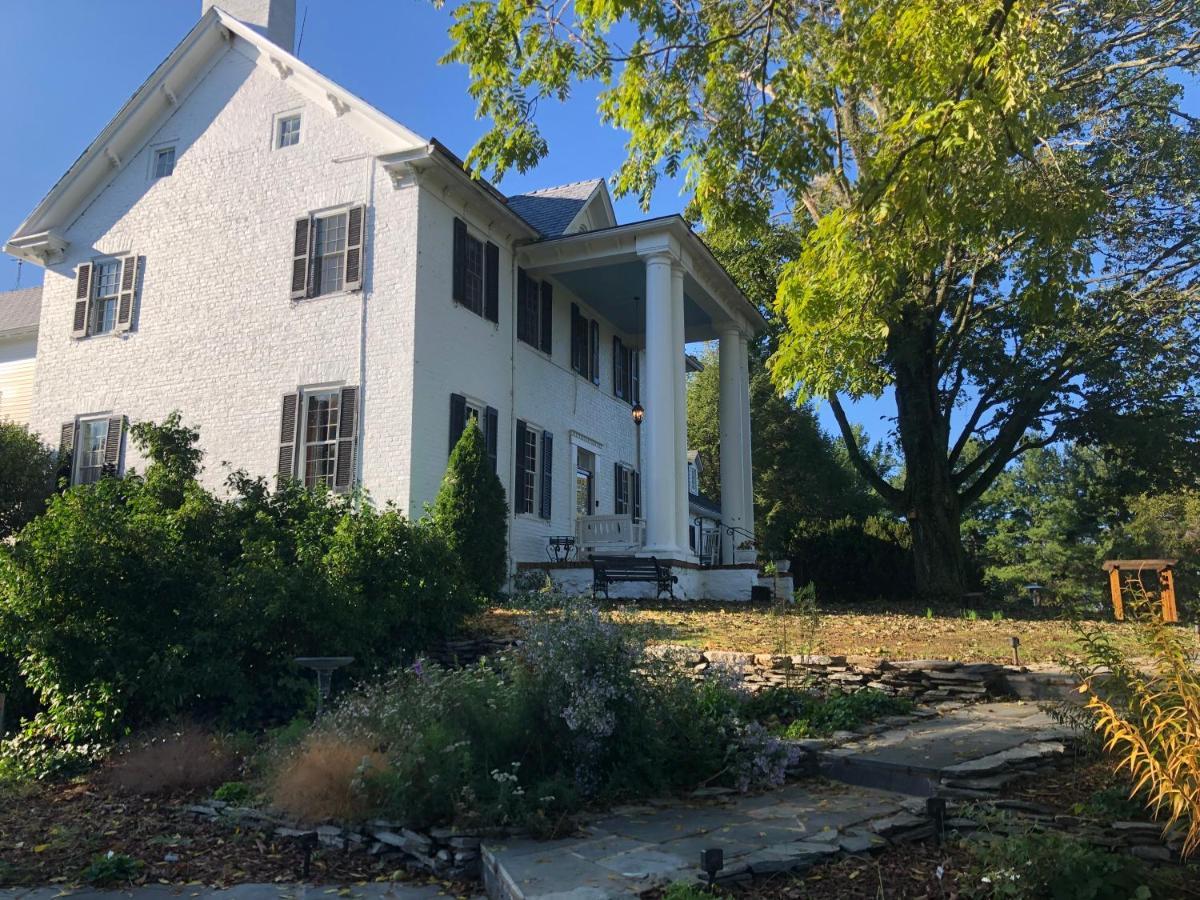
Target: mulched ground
[[49, 834], [867, 629]]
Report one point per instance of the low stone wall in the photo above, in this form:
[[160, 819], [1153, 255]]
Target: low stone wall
[[444, 852], [926, 680]]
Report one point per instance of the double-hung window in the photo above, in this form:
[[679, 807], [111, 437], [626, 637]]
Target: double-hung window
[[585, 345], [626, 372], [321, 415], [476, 273], [318, 434], [327, 253], [92, 436], [535, 311], [92, 444], [108, 290], [534, 475], [105, 293]]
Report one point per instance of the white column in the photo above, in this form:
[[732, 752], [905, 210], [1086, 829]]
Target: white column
[[658, 392], [680, 406], [733, 482], [747, 442]]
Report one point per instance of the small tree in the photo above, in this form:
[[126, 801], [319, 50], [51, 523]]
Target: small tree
[[27, 470], [471, 511]]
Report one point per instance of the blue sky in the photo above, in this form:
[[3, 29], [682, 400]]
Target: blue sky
[[70, 64]]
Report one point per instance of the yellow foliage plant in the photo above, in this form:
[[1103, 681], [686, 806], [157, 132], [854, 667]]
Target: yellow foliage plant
[[1147, 708]]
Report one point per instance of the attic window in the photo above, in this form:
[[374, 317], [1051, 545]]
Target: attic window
[[164, 162], [287, 132]]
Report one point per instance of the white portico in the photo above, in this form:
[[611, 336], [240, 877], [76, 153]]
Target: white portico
[[661, 285]]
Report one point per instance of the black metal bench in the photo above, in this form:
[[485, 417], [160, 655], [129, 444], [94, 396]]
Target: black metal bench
[[608, 570]]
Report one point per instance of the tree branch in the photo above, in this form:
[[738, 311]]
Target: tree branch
[[893, 496]]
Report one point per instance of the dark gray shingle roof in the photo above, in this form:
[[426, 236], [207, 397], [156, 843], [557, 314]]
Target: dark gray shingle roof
[[550, 210], [20, 309]]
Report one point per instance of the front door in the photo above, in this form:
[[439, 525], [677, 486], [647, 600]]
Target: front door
[[585, 468]]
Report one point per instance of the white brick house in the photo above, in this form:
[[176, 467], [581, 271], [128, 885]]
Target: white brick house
[[329, 296]]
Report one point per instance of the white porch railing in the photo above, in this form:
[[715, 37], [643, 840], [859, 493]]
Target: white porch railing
[[608, 533]]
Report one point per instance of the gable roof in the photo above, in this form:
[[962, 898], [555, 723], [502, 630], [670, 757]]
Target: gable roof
[[553, 210], [41, 233], [20, 309]]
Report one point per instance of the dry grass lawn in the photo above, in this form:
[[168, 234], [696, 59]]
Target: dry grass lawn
[[865, 629]]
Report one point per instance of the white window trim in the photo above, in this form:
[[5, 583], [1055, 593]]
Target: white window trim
[[277, 119], [303, 393], [77, 452], [153, 162]]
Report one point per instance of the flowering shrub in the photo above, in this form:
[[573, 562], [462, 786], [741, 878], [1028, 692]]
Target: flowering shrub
[[577, 714]]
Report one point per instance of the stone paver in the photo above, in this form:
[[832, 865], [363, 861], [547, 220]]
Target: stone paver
[[635, 849]]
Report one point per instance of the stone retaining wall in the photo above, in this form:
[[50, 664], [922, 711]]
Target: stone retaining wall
[[926, 680]]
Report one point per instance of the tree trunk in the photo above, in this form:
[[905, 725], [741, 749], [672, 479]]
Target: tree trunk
[[931, 499]]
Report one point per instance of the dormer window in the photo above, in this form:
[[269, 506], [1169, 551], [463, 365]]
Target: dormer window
[[164, 162], [287, 131]]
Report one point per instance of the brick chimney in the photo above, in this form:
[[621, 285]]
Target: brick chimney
[[274, 18]]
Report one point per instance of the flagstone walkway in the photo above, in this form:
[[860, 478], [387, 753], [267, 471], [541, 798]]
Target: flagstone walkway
[[637, 848]]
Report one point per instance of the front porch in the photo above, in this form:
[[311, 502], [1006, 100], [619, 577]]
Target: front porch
[[660, 286]]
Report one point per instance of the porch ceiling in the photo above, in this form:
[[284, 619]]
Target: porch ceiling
[[606, 270], [611, 291]]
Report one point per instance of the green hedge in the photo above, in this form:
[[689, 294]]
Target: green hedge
[[139, 598]]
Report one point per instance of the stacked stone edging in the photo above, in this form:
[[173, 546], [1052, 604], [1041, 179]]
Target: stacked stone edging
[[450, 853], [925, 680]]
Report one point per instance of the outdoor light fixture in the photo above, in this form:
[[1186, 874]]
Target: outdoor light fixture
[[1016, 643], [639, 413], [712, 861], [935, 807]]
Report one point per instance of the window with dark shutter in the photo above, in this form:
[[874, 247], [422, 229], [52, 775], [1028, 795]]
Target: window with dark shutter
[[635, 493], [522, 499], [125, 301], [491, 435], [620, 489], [287, 437], [620, 369], [347, 441], [547, 473], [67, 441], [635, 376], [547, 301], [527, 310], [458, 419]]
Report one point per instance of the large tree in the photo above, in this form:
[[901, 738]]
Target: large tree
[[1001, 197]]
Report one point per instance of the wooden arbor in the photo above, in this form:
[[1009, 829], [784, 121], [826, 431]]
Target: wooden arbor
[[1166, 583]]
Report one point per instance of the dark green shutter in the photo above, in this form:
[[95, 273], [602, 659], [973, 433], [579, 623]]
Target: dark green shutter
[[491, 427], [547, 317], [578, 339], [112, 446], [491, 282], [618, 489], [460, 261], [519, 482], [547, 472], [343, 473], [458, 419], [287, 436], [635, 376], [635, 490]]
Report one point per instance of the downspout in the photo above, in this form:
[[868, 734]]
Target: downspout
[[368, 284]]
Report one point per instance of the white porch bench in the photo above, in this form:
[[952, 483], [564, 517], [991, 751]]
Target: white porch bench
[[608, 534]]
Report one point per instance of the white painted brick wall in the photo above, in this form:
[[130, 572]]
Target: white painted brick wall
[[217, 336]]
